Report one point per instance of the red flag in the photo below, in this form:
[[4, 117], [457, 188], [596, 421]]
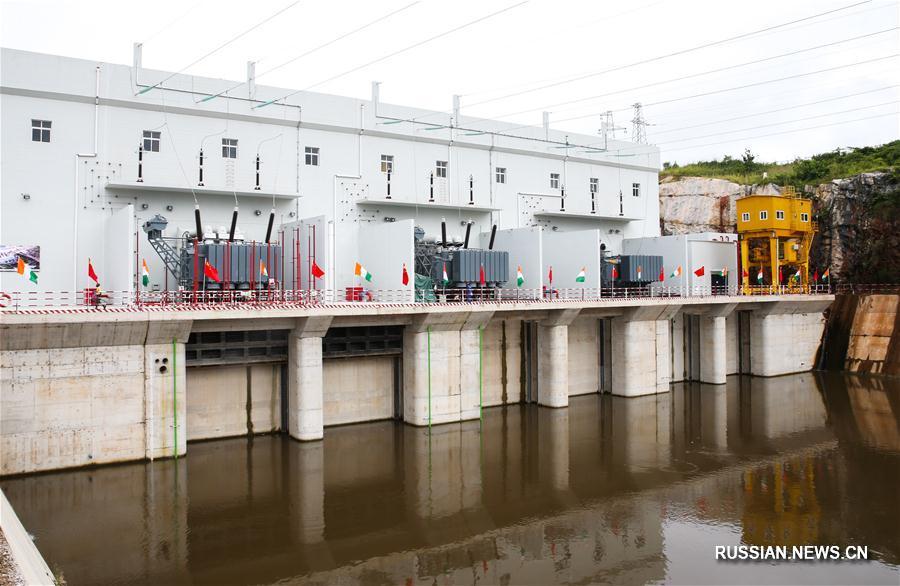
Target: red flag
[[615, 273], [405, 278], [481, 276], [746, 274], [662, 274], [91, 272], [701, 271], [210, 271], [816, 275], [780, 275], [550, 275], [317, 271]]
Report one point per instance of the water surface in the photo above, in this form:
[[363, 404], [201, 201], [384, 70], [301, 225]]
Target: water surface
[[610, 490]]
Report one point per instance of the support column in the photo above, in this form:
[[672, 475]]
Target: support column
[[785, 335], [441, 367], [714, 343], [165, 389], [712, 350], [641, 351], [471, 365], [553, 358], [305, 417]]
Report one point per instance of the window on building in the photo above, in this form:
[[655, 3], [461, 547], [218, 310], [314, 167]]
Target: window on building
[[636, 189], [554, 180], [745, 217], [40, 130], [763, 215], [501, 174], [229, 148], [440, 168], [312, 156], [804, 217], [595, 185], [779, 214], [151, 141], [387, 163]]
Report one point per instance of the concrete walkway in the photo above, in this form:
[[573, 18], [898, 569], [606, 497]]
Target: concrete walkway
[[20, 560]]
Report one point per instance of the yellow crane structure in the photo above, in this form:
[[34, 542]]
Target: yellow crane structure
[[775, 232]]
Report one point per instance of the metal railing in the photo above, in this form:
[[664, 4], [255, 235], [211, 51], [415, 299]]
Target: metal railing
[[231, 299]]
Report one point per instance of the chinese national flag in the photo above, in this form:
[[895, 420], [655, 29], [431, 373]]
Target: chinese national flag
[[481, 276], [91, 273], [701, 271], [816, 275], [746, 274], [615, 273], [210, 271], [405, 277], [662, 274], [317, 271]]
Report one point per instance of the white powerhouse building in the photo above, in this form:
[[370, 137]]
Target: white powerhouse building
[[72, 130]]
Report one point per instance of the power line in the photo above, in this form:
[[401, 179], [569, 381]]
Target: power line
[[784, 109], [222, 46], [318, 48], [701, 73], [744, 86], [398, 52], [667, 55], [780, 123], [788, 131]]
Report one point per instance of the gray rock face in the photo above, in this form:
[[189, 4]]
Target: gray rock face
[[843, 209], [700, 204]]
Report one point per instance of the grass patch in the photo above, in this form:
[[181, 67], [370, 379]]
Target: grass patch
[[820, 168]]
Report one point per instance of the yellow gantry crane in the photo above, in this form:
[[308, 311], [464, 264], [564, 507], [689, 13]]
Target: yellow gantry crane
[[775, 232]]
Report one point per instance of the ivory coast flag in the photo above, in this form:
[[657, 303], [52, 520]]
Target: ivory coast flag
[[444, 276], [759, 276], [827, 273], [145, 272], [580, 277], [263, 272], [676, 272], [520, 278], [360, 271]]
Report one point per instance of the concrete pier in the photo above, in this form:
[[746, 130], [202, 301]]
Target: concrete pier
[[93, 387]]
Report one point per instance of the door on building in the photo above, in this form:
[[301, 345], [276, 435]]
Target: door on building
[[719, 283]]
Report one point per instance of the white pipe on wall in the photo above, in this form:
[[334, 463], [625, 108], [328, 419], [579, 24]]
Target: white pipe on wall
[[79, 156]]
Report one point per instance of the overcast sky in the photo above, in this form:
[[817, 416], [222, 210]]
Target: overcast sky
[[533, 44]]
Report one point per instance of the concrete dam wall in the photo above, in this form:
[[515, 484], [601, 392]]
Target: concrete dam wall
[[101, 387], [863, 334]]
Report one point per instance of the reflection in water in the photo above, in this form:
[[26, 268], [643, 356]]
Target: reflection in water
[[609, 490]]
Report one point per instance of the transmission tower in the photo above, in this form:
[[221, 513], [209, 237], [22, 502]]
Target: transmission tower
[[638, 125], [608, 127]]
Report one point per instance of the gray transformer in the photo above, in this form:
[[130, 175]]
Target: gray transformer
[[238, 264], [629, 273], [464, 267]]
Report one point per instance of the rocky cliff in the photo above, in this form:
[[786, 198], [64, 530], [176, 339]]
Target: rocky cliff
[[859, 219]]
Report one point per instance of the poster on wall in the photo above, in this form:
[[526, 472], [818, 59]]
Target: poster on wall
[[11, 253]]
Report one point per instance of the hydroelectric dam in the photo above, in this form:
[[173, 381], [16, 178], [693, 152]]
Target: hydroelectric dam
[[86, 386]]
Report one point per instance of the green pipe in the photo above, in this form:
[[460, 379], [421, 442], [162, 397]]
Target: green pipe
[[428, 329], [175, 395], [480, 377]]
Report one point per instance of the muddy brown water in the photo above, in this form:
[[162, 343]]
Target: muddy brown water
[[610, 490]]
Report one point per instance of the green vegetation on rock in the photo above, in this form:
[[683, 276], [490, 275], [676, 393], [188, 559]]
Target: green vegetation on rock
[[816, 169]]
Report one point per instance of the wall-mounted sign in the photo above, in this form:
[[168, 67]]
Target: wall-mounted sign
[[11, 253]]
